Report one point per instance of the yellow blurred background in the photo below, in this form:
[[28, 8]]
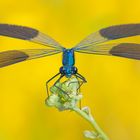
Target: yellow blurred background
[[113, 88]]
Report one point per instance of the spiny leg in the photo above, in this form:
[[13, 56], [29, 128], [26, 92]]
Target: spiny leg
[[49, 81], [64, 92], [79, 90], [62, 75], [80, 82], [81, 77], [77, 81], [83, 80]]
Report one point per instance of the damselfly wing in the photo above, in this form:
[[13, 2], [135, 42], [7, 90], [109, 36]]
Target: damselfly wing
[[15, 56]]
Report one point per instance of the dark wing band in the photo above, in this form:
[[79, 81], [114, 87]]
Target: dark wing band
[[110, 33], [120, 31], [20, 32], [15, 56], [127, 50], [30, 34]]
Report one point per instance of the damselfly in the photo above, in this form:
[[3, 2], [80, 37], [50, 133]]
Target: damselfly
[[90, 45]]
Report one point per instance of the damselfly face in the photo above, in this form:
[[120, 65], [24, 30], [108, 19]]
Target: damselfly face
[[68, 71]]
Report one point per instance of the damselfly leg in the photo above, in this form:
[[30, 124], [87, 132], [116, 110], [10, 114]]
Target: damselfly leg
[[55, 84], [80, 80], [47, 88]]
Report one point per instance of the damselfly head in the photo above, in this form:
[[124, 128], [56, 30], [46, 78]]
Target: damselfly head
[[68, 71]]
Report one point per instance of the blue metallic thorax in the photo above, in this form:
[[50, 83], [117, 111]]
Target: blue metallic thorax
[[68, 62], [68, 57]]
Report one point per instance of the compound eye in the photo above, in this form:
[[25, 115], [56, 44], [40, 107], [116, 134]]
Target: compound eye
[[62, 70], [74, 70]]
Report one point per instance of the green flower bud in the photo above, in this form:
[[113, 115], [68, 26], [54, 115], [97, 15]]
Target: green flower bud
[[64, 95]]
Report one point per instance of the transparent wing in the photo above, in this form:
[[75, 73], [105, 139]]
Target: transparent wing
[[127, 50], [110, 33], [15, 56], [30, 34]]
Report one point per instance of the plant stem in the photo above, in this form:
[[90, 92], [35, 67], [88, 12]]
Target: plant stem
[[92, 121]]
